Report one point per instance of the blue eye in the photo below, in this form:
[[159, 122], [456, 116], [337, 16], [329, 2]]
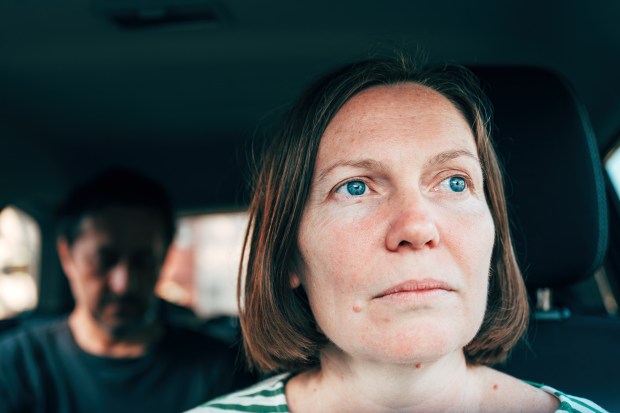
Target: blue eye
[[356, 188], [457, 184]]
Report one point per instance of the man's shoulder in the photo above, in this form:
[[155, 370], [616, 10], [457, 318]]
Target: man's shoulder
[[31, 345], [39, 332], [187, 340], [218, 332], [196, 352]]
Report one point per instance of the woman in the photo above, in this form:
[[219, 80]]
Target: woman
[[381, 275]]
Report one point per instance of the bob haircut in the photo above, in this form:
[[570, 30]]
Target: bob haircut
[[279, 330]]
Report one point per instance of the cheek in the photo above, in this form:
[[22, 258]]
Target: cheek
[[470, 235], [93, 284], [86, 278], [335, 249], [472, 243], [334, 254], [88, 290]]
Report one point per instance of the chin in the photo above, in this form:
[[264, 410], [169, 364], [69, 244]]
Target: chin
[[121, 324], [119, 327], [419, 352], [418, 345]]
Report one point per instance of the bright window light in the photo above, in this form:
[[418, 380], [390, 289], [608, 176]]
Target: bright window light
[[202, 265], [20, 244]]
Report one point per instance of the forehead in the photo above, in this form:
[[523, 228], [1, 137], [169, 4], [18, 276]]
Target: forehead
[[405, 100], [123, 225], [397, 111]]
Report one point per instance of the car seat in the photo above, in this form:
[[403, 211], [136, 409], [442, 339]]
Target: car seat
[[557, 208]]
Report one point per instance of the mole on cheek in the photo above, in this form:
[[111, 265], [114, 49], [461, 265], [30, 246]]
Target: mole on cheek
[[357, 308], [495, 386]]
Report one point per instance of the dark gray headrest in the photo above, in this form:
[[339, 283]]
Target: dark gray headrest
[[554, 181]]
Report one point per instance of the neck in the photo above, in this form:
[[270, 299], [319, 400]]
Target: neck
[[94, 339], [346, 385]]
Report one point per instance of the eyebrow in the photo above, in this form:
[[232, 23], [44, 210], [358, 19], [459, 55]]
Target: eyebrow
[[360, 163], [447, 156], [440, 158]]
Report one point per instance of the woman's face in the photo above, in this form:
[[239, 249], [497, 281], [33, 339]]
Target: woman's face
[[396, 236]]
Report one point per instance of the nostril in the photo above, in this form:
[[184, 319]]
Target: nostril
[[412, 227]]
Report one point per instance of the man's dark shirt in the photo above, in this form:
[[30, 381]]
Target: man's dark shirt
[[42, 369]]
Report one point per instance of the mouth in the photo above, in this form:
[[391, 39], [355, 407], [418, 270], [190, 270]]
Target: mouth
[[416, 288], [123, 306]]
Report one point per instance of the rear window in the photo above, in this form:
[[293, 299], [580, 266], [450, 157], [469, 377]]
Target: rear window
[[201, 269], [612, 165], [20, 246]]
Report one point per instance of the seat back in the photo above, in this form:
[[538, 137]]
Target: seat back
[[556, 201]]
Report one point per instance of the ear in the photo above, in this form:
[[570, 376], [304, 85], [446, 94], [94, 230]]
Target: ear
[[64, 254], [294, 280]]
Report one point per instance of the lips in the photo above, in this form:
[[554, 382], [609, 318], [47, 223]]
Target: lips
[[417, 286]]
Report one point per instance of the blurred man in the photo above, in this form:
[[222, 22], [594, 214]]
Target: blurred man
[[115, 352]]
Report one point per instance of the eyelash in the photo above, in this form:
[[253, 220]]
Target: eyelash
[[469, 185], [347, 182], [342, 186]]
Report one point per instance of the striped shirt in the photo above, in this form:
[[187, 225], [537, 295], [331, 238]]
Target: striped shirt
[[268, 396]]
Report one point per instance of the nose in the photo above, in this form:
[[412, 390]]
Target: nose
[[412, 226], [118, 278]]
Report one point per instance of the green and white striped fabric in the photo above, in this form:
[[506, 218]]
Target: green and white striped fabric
[[268, 397], [264, 397], [571, 404]]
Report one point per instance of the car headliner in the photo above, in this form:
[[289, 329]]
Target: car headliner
[[79, 91]]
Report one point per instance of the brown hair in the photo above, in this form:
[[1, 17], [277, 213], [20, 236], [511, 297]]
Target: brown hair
[[279, 330]]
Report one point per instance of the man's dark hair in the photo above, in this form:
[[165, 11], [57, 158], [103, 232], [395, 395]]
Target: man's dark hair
[[114, 187]]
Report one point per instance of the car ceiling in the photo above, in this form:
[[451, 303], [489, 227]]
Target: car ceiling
[[79, 90]]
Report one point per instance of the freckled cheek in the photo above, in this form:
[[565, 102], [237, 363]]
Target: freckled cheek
[[330, 276], [470, 232], [471, 239], [469, 235], [335, 251]]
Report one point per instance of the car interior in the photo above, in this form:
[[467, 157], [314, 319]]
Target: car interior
[[549, 226], [185, 91]]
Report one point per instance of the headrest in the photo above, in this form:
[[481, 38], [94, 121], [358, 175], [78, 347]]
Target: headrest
[[552, 173]]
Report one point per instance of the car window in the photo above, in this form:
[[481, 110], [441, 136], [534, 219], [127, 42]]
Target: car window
[[20, 245], [201, 269], [612, 165]]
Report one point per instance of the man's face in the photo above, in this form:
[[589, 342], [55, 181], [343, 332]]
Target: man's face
[[113, 266]]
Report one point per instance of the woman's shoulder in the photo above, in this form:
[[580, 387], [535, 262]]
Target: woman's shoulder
[[502, 390], [568, 403], [268, 393]]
